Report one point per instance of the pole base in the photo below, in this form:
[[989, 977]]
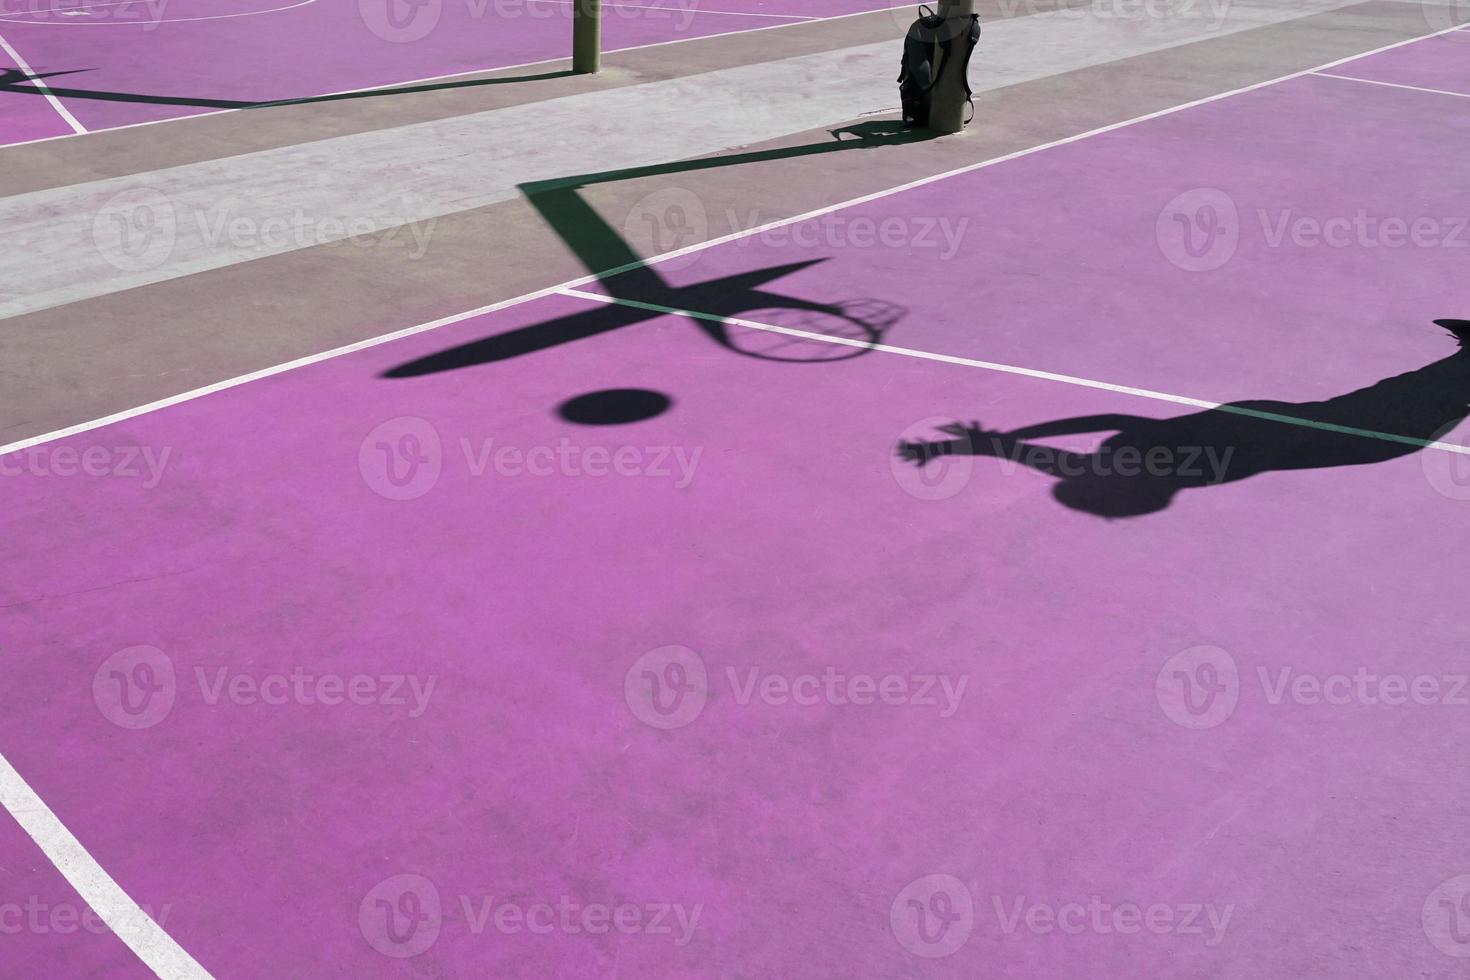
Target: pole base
[[950, 99], [587, 37]]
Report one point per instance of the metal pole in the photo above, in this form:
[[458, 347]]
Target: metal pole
[[587, 36], [948, 103]]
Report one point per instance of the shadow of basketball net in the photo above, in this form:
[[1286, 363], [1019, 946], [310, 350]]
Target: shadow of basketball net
[[781, 328]]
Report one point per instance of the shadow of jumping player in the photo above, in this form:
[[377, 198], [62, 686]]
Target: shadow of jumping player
[[1148, 461], [641, 292]]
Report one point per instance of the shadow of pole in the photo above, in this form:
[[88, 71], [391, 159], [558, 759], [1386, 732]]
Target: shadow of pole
[[1147, 462], [644, 293], [14, 80]]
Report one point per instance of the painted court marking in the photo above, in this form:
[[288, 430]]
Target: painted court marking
[[1023, 372], [128, 922], [1374, 81], [46, 21], [162, 20], [61, 110], [310, 359], [433, 78], [154, 946], [691, 10]]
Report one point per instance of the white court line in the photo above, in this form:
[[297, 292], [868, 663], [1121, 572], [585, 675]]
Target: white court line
[[300, 362], [1024, 372], [688, 10], [309, 359], [1411, 88], [39, 85], [66, 852], [147, 23], [443, 78], [142, 935]]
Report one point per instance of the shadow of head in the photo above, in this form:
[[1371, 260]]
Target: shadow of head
[[1114, 498]]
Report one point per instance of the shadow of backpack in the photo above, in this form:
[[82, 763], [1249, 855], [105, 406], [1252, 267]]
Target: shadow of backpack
[[931, 37]]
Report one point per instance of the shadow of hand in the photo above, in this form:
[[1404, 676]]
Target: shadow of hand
[[968, 440]]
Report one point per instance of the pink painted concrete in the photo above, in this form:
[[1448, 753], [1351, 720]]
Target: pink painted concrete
[[798, 544], [46, 930], [26, 116], [158, 59], [1073, 260], [1066, 772], [1439, 63]]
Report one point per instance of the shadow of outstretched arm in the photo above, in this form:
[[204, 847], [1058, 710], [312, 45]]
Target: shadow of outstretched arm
[[973, 440]]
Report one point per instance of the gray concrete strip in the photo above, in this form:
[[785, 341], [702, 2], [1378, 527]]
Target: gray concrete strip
[[130, 150], [122, 233]]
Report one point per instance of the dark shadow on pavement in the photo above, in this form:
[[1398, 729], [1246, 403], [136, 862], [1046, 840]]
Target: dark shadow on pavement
[[1141, 468], [642, 294], [14, 80]]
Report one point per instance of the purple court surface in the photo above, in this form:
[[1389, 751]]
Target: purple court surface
[[121, 62], [381, 667]]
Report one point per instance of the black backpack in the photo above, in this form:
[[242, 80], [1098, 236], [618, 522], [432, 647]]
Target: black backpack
[[916, 75]]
